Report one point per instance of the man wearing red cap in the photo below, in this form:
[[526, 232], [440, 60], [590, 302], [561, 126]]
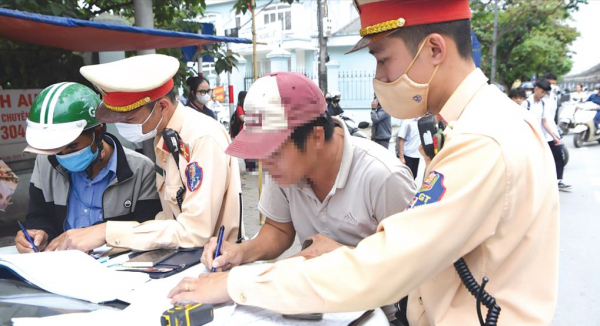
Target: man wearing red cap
[[316, 170], [198, 184], [488, 197]]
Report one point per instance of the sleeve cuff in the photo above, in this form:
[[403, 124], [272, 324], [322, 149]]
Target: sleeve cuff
[[240, 281], [118, 234]]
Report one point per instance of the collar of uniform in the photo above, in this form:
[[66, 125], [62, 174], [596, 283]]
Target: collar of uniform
[[462, 95], [175, 123], [347, 155]]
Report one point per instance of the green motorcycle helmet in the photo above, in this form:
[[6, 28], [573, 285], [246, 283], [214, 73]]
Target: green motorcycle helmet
[[59, 114]]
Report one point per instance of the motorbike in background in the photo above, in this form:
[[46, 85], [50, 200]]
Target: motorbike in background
[[585, 128], [353, 128], [566, 118]]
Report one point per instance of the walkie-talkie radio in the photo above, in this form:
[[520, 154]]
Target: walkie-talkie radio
[[430, 131], [171, 140], [432, 139]]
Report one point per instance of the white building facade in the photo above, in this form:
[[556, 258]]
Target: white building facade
[[289, 34]]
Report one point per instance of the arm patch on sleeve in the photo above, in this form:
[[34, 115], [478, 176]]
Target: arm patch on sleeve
[[193, 172], [431, 191]]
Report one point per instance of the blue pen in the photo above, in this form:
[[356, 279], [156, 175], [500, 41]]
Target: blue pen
[[28, 237], [219, 244]]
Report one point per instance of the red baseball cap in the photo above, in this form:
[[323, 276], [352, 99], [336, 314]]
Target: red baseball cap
[[380, 18], [275, 105]]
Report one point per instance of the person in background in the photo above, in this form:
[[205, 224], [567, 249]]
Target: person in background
[[543, 109], [381, 129], [595, 98], [579, 95], [528, 88], [199, 95], [407, 145], [238, 120], [517, 95], [334, 107], [82, 176], [328, 99]]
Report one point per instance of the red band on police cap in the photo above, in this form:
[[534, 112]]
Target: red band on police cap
[[129, 101], [414, 12]]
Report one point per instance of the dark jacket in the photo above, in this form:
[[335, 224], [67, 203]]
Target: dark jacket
[[382, 125], [128, 197], [205, 110]]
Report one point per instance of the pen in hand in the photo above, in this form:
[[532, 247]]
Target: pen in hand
[[26, 234], [219, 244]]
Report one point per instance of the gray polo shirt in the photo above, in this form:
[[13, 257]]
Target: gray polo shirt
[[371, 185]]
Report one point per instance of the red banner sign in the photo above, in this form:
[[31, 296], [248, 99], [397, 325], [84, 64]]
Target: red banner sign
[[219, 93]]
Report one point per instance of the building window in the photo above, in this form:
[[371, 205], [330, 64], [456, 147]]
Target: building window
[[279, 13]]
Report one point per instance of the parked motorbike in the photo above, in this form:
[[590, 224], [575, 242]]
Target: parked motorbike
[[352, 126], [566, 117], [585, 128]]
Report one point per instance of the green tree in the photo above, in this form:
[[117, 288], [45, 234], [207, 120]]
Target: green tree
[[533, 37]]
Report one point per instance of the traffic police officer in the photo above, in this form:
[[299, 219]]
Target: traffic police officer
[[489, 195], [201, 192]]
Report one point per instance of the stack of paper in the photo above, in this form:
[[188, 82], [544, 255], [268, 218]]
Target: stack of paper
[[73, 274]]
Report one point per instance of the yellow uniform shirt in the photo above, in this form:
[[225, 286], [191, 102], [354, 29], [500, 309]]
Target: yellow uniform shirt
[[490, 197], [212, 197]]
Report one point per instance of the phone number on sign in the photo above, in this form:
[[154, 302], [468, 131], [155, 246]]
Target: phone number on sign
[[12, 132]]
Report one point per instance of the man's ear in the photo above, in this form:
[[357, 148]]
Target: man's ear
[[318, 136], [437, 48], [163, 104]]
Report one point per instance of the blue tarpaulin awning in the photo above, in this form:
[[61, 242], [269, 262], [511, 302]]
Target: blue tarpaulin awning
[[88, 36]]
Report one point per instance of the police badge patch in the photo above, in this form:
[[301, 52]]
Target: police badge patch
[[193, 173], [431, 191]]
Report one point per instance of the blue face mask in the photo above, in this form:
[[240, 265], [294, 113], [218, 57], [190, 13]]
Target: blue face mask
[[77, 161]]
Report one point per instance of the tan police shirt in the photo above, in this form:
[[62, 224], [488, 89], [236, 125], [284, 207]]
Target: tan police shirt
[[213, 190], [490, 197], [371, 185]]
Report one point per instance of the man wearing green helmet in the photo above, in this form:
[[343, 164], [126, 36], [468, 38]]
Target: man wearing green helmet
[[82, 176]]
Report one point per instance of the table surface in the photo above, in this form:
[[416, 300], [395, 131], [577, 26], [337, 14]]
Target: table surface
[[38, 306]]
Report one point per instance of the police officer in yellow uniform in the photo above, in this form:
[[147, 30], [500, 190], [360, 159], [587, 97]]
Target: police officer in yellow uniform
[[199, 185], [488, 196]]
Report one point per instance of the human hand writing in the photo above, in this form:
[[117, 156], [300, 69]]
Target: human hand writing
[[40, 238], [232, 254]]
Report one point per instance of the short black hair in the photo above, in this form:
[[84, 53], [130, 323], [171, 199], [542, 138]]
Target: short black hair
[[550, 75], [458, 30], [543, 84], [170, 95], [300, 134], [516, 93]]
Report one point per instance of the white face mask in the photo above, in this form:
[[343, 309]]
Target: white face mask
[[203, 98], [134, 133], [403, 98], [528, 93]]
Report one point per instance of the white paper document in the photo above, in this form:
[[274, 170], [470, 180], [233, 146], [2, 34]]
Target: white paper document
[[73, 274]]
